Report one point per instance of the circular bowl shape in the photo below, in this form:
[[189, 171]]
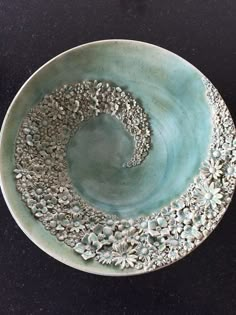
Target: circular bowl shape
[[123, 151]]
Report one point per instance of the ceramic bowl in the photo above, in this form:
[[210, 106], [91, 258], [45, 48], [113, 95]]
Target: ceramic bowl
[[179, 103]]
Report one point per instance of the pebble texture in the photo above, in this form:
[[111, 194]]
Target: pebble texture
[[191, 30]]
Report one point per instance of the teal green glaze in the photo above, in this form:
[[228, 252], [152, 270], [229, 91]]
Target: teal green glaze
[[171, 92]]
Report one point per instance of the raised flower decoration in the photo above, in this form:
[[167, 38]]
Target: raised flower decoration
[[231, 170], [105, 257], [209, 195], [212, 169], [144, 243], [124, 255]]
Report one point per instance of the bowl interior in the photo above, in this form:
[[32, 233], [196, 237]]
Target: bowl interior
[[171, 93]]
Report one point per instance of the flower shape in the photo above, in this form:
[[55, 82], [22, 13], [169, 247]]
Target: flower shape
[[88, 246], [38, 191], [209, 195], [37, 169], [212, 169], [23, 174], [39, 208], [51, 200], [184, 216], [217, 153], [143, 251], [199, 220], [124, 255], [150, 227], [231, 170], [65, 196], [105, 257]]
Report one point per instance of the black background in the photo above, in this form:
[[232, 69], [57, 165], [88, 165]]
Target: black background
[[32, 32]]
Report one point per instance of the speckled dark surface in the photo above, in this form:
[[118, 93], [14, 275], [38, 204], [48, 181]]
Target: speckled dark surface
[[32, 32]]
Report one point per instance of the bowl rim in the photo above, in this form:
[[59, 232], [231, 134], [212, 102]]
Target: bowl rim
[[48, 250]]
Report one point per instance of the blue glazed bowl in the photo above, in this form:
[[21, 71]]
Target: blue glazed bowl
[[171, 92]]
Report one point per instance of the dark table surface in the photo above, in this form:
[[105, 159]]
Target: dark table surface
[[32, 32]]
